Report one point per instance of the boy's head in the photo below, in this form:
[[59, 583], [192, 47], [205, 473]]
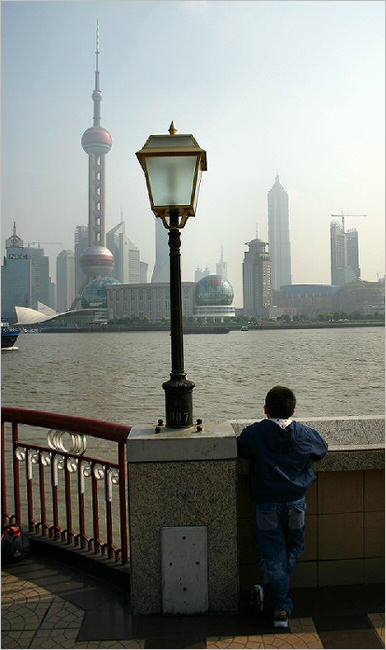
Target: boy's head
[[280, 402]]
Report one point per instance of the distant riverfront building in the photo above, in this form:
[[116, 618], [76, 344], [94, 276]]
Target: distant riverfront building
[[199, 273], [279, 235], [222, 267], [65, 280], [344, 248], [308, 299], [161, 270], [150, 301], [257, 279], [312, 300], [214, 299], [209, 300], [126, 255], [25, 277]]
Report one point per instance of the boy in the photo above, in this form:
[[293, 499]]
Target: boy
[[280, 451]]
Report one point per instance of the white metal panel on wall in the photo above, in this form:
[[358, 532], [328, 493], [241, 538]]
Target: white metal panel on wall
[[184, 555]]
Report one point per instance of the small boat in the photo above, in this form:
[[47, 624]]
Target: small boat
[[244, 328], [8, 336]]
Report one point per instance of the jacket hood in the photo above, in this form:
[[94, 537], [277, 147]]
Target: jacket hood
[[279, 440]]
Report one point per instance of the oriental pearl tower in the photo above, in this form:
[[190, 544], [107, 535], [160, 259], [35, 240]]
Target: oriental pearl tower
[[96, 260]]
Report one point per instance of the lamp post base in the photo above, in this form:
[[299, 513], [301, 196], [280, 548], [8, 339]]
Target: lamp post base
[[178, 401]]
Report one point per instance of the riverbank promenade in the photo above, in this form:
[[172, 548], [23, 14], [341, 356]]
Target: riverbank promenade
[[47, 604]]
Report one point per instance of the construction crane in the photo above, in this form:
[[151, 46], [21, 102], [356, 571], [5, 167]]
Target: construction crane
[[342, 216], [31, 243]]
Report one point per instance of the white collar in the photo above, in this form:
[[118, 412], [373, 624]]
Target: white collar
[[283, 424]]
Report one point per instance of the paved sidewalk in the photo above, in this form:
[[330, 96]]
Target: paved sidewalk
[[46, 604]]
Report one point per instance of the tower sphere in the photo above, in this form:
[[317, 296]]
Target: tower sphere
[[97, 260], [97, 140]]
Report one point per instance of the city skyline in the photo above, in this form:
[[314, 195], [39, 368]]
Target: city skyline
[[308, 106]]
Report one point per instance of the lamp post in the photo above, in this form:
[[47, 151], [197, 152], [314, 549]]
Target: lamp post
[[173, 165]]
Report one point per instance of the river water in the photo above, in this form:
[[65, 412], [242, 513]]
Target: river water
[[118, 376]]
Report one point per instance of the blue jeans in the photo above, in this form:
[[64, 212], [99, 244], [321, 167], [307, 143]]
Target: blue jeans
[[280, 531]]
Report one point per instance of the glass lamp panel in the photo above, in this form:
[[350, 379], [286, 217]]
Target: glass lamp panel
[[197, 188], [171, 179], [170, 142]]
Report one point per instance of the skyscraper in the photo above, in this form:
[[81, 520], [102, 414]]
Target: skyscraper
[[344, 247], [96, 141], [257, 278], [199, 273], [279, 235], [65, 280], [221, 267], [352, 254], [126, 255], [161, 270], [25, 277]]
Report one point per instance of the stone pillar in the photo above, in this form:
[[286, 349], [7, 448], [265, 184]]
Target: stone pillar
[[183, 478]]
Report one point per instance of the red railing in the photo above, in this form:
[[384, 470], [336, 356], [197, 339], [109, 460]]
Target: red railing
[[58, 494]]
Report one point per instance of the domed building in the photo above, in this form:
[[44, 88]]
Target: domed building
[[95, 294], [213, 298]]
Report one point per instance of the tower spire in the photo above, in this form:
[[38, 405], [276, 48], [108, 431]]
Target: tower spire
[[96, 141], [97, 95]]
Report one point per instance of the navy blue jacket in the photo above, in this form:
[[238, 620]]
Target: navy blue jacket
[[280, 468]]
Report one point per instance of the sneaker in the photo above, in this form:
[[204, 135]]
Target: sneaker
[[280, 619], [257, 598]]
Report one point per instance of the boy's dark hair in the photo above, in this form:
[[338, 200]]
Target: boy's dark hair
[[280, 402]]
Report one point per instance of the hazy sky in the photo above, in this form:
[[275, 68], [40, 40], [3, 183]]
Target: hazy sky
[[288, 87]]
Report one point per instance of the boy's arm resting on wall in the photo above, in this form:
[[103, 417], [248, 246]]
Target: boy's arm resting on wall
[[243, 446], [319, 446]]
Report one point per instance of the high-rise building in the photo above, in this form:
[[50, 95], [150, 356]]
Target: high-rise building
[[143, 268], [25, 277], [199, 273], [257, 278], [96, 260], [279, 235], [126, 255], [65, 280], [221, 267], [344, 247], [161, 270], [352, 254]]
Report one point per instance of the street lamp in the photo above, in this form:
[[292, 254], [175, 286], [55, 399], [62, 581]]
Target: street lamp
[[173, 165]]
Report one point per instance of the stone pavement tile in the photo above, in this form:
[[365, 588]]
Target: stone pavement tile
[[302, 634], [62, 614], [57, 638], [26, 617], [378, 622], [253, 642], [67, 639], [131, 643], [23, 605], [16, 639]]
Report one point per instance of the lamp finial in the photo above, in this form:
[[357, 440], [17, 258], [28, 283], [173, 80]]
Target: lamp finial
[[172, 128]]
